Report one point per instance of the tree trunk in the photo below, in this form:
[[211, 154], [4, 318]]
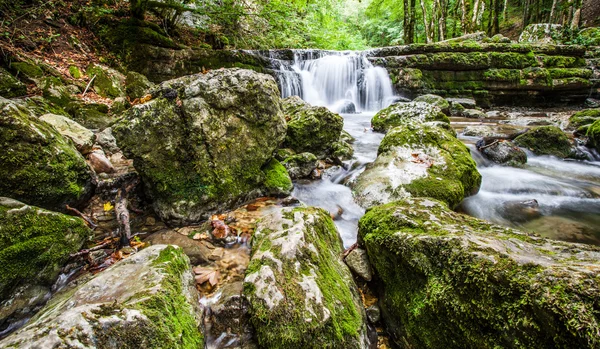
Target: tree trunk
[[426, 22]]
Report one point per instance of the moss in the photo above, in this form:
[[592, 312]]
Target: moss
[[438, 267], [277, 180], [584, 117], [75, 72], [504, 75], [593, 133], [38, 166], [282, 154], [90, 115], [403, 113], [562, 61], [512, 60], [137, 85], [9, 86], [438, 101], [545, 140], [342, 150], [34, 244], [28, 70], [107, 82]]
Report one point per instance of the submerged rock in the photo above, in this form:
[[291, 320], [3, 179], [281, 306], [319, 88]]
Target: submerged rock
[[503, 152], [310, 129], [418, 160], [404, 113], [301, 293], [148, 300], [453, 281], [520, 211], [37, 165], [34, 246], [545, 140], [200, 146]]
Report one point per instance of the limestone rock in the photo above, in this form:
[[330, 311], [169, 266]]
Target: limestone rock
[[474, 114], [436, 100], [584, 117], [300, 165], [542, 33], [148, 300], [504, 152], [403, 113], [107, 141], [358, 262], [197, 250], [81, 136], [107, 82], [201, 144], [301, 293], [137, 85], [453, 281], [545, 140]]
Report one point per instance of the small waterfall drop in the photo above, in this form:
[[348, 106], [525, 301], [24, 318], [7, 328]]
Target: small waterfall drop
[[337, 80]]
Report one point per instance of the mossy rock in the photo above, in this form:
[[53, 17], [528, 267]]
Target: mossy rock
[[593, 134], [418, 160], [107, 82], [137, 85], [148, 300], [310, 129], [27, 70], [584, 117], [9, 85], [436, 100], [452, 281], [300, 165], [37, 165], [542, 33], [545, 140], [406, 113], [75, 72], [34, 246], [206, 153], [90, 115], [55, 91], [301, 293], [277, 180]]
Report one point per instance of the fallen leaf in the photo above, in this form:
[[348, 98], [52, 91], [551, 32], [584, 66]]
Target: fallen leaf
[[204, 274], [108, 206]]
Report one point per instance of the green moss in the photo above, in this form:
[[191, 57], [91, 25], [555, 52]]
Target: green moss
[[34, 244], [277, 179], [75, 72], [107, 82], [27, 69], [9, 86], [404, 113], [512, 60], [545, 140], [438, 101], [584, 117], [562, 61], [504, 75], [137, 85], [593, 133]]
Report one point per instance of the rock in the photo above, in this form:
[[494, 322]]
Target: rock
[[542, 33], [498, 39], [418, 160], [301, 293], [358, 262], [373, 313], [34, 246], [148, 300], [480, 131], [503, 152], [99, 162], [399, 99], [54, 90], [282, 154], [91, 115], [477, 36], [310, 129], [120, 104], [593, 134], [9, 85], [465, 102], [474, 114], [206, 152], [520, 211], [591, 36], [545, 140], [37, 165], [81, 136], [403, 113], [436, 100], [107, 141], [592, 103], [107, 82], [137, 85], [342, 150], [564, 229], [197, 250], [584, 117], [479, 280], [347, 107], [277, 179], [300, 165]]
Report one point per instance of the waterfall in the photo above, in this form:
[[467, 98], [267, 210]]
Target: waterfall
[[341, 81]]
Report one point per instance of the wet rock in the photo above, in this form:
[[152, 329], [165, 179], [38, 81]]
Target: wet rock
[[300, 165], [503, 152], [373, 313], [358, 262], [197, 250], [137, 85], [436, 100], [310, 129], [9, 85], [297, 284], [278, 181], [147, 300], [480, 131], [593, 134], [107, 141], [520, 211], [99, 162], [400, 99], [584, 117], [81, 136], [545, 140], [418, 160], [35, 245], [404, 113], [542, 33], [480, 281], [107, 82], [37, 164], [218, 134], [592, 103], [468, 103], [474, 114], [564, 229], [347, 108]]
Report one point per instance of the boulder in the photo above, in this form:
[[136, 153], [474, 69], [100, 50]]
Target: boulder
[[197, 250], [404, 113], [520, 210], [9, 85], [91, 115], [277, 179], [584, 117], [310, 129], [107, 81], [503, 152], [593, 134], [436, 100], [542, 33], [480, 131], [453, 281], [346, 107], [201, 144], [148, 300], [37, 165], [300, 165], [107, 141], [418, 160], [474, 114], [545, 140], [34, 246], [469, 103], [137, 85], [358, 261], [301, 293], [81, 136]]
